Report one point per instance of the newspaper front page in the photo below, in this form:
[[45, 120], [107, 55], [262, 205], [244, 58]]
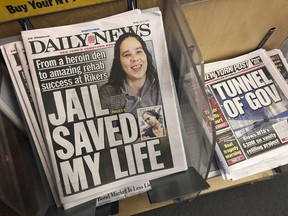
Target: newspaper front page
[[108, 120], [251, 108]]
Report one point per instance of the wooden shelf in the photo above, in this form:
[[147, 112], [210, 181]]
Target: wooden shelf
[[140, 203]]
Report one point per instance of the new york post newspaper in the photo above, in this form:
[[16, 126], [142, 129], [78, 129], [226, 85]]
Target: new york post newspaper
[[249, 101]]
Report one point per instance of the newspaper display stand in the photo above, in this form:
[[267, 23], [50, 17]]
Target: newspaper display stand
[[194, 110], [187, 67]]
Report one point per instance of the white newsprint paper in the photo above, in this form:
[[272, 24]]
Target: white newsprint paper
[[109, 121]]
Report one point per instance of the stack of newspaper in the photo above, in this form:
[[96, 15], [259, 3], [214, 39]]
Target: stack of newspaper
[[99, 102], [248, 95], [8, 101]]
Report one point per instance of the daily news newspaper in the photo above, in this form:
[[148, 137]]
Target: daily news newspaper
[[21, 77], [249, 102], [101, 135]]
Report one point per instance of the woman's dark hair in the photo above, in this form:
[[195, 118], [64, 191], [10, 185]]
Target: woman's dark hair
[[117, 75], [152, 113]]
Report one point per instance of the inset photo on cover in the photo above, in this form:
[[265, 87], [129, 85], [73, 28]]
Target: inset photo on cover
[[151, 122]]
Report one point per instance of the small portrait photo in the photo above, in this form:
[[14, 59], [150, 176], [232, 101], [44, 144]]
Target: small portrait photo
[[151, 122]]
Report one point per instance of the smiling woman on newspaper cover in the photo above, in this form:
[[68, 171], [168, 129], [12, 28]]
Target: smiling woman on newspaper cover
[[133, 82]]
